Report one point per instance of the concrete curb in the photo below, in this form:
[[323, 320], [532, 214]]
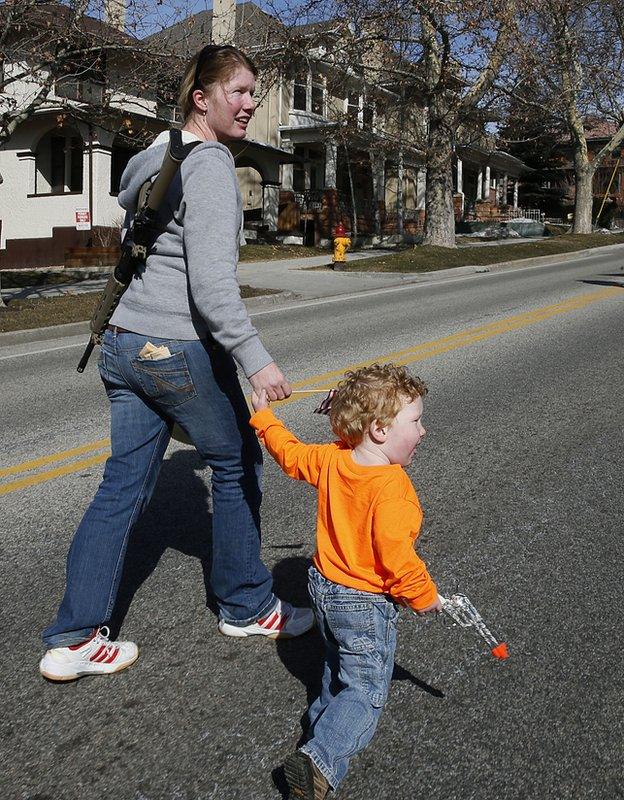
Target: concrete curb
[[415, 277], [82, 328], [44, 334], [468, 269]]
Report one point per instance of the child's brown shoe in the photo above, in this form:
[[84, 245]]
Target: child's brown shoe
[[305, 780]]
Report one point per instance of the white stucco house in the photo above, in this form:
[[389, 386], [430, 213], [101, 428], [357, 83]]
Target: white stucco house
[[61, 167]]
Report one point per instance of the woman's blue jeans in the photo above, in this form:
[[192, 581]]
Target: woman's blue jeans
[[198, 388], [359, 630]]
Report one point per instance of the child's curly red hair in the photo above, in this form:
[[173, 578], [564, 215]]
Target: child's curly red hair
[[375, 393]]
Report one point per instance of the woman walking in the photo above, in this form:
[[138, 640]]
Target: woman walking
[[187, 302]]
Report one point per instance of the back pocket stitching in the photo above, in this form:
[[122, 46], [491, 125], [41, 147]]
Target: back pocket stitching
[[188, 388]]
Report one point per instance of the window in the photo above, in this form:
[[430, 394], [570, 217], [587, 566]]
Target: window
[[318, 95], [300, 92], [59, 163], [166, 103], [120, 156], [299, 170], [379, 115], [309, 93], [310, 174], [169, 112], [368, 117], [75, 165], [353, 107], [85, 80]]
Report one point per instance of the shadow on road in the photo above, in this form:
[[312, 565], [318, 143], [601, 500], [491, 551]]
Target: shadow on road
[[177, 518], [595, 282], [303, 657]]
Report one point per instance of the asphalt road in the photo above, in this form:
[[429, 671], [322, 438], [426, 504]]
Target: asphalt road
[[520, 476]]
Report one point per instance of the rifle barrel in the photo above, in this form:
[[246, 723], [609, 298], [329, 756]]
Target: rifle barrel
[[85, 356]]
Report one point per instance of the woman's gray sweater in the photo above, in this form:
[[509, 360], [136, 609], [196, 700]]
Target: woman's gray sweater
[[188, 288]]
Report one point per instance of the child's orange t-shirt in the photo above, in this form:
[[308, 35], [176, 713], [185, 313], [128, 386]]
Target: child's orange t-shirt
[[368, 517]]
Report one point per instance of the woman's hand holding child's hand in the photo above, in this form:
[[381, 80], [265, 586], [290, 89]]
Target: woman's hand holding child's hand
[[272, 379], [260, 401]]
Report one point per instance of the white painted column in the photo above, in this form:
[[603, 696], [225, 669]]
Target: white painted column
[[270, 204], [287, 169], [378, 163], [515, 193], [421, 188], [400, 205], [480, 184], [28, 158], [331, 164], [504, 189], [115, 13], [460, 176], [378, 169], [101, 174], [486, 186]]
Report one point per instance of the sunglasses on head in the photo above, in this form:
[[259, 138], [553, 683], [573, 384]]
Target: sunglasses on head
[[207, 52]]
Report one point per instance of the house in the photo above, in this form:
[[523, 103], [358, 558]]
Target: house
[[61, 167], [551, 184], [608, 185], [326, 144]]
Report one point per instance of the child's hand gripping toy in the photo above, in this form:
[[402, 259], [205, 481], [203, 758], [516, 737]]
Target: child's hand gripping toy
[[460, 610]]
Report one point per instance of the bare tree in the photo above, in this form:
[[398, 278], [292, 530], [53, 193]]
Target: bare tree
[[54, 54], [441, 59], [575, 49], [463, 48]]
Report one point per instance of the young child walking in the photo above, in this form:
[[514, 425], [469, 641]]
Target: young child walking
[[365, 565]]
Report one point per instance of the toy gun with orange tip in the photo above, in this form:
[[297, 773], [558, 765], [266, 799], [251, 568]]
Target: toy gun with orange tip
[[461, 611]]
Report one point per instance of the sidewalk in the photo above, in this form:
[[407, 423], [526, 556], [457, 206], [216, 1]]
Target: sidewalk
[[296, 280], [286, 275], [279, 274]]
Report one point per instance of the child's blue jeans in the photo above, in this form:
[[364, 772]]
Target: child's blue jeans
[[359, 630]]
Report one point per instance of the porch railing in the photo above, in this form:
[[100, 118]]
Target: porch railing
[[311, 200], [525, 213]]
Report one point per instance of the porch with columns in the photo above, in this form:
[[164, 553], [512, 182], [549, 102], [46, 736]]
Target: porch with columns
[[373, 183], [486, 185]]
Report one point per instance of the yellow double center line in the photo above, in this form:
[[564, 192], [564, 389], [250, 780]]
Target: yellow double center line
[[323, 381], [57, 472]]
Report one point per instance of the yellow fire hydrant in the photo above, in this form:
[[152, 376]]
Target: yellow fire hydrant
[[341, 243]]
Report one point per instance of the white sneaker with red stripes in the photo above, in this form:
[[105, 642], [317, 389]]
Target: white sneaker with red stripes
[[283, 622], [95, 656]]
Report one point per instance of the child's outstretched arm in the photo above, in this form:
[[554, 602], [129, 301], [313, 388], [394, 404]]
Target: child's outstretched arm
[[298, 460], [396, 522]]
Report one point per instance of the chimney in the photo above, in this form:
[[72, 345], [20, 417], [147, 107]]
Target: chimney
[[223, 21], [115, 14]]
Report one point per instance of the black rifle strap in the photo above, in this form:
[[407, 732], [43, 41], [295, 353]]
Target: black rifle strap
[[178, 150], [177, 153]]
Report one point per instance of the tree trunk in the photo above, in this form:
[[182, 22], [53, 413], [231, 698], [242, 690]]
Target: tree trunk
[[400, 206], [439, 212], [583, 201], [354, 231]]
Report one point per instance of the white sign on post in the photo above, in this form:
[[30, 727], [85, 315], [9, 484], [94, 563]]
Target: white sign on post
[[83, 219]]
